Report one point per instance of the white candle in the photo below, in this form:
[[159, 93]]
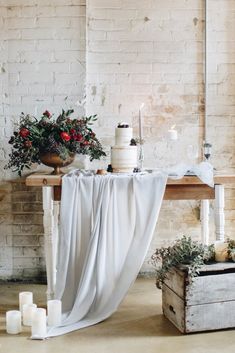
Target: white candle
[[221, 251], [172, 133], [54, 308], [25, 298], [13, 322], [28, 311], [140, 123], [39, 323]]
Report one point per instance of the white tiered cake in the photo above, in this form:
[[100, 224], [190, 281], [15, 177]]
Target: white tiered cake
[[123, 155]]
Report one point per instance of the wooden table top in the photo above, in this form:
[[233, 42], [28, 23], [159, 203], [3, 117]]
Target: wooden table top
[[45, 179]]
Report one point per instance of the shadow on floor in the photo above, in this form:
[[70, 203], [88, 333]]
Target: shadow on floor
[[149, 326]]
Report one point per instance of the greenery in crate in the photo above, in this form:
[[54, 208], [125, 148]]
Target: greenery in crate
[[63, 136], [184, 251], [231, 249]]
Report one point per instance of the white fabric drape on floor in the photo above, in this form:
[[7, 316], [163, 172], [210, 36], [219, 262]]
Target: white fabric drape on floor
[[106, 226]]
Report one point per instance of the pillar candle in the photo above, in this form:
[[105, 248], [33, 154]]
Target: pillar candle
[[28, 311], [25, 298], [13, 321], [172, 133], [221, 251], [54, 308], [39, 325]]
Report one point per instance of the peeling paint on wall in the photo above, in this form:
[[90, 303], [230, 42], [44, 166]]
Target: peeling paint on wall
[[146, 19]]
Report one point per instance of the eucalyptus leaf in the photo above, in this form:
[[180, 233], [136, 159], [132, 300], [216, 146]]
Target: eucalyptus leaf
[[183, 251]]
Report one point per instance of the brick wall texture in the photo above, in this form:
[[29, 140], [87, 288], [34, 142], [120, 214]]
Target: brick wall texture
[[119, 54], [42, 66]]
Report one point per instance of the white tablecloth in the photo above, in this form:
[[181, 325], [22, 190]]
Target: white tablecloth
[[107, 223]]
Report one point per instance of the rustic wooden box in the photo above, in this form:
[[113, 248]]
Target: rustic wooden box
[[206, 304]]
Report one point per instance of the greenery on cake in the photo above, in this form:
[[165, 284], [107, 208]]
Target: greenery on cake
[[184, 251]]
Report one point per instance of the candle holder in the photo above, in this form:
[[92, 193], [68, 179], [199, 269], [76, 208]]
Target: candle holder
[[207, 147], [141, 157]]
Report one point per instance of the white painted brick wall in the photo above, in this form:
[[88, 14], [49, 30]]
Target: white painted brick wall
[[42, 61], [43, 55], [133, 51], [152, 51]]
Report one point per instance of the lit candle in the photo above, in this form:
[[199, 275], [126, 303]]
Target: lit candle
[[39, 324], [140, 123], [172, 133], [25, 298], [221, 251], [54, 308], [28, 311], [13, 322]]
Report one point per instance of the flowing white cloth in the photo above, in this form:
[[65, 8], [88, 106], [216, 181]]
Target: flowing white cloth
[[107, 223], [203, 171]]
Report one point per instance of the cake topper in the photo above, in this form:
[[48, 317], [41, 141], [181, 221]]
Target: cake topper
[[123, 125]]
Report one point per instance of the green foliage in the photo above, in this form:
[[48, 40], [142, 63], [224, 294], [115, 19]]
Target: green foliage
[[62, 135], [231, 248], [184, 251]]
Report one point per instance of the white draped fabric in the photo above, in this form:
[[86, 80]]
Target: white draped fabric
[[107, 223], [203, 171]]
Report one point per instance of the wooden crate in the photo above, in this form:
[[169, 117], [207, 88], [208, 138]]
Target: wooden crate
[[206, 304]]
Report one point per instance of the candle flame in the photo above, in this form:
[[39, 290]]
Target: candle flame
[[173, 126], [142, 106]]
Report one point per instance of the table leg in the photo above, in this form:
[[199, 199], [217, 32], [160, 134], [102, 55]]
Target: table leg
[[204, 216], [56, 212], [50, 222], [219, 212]]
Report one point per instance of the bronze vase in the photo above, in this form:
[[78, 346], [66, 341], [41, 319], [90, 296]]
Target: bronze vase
[[55, 161]]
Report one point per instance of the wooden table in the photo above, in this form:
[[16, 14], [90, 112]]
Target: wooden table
[[187, 188]]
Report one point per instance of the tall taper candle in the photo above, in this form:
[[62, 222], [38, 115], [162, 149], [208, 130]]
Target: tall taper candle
[[141, 151], [140, 124]]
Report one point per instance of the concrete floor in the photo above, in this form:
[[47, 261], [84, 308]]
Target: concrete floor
[[138, 326]]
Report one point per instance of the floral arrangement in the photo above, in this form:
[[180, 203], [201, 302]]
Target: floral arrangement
[[184, 251], [63, 136]]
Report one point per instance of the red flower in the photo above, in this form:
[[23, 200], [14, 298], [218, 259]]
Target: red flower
[[72, 131], [24, 132], [47, 113], [86, 143], [78, 137], [65, 136], [28, 143]]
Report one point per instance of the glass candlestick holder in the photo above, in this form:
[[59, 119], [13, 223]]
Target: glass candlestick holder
[[141, 157], [207, 147]]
